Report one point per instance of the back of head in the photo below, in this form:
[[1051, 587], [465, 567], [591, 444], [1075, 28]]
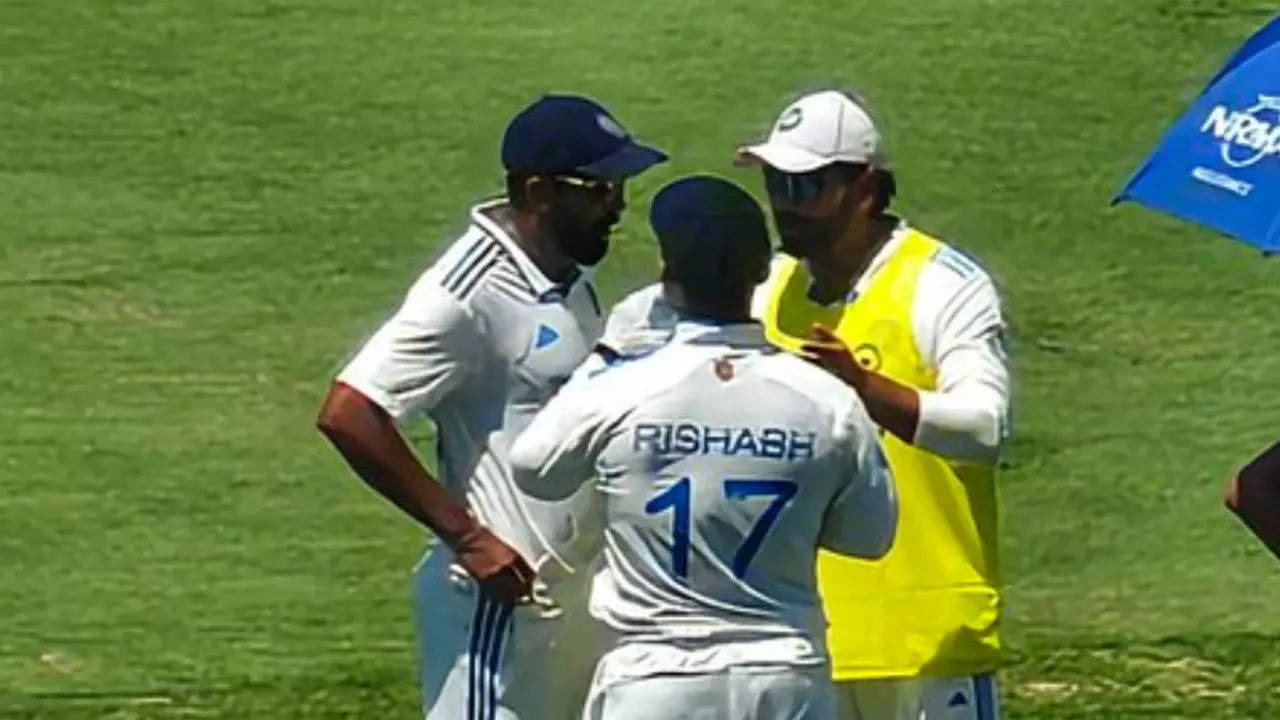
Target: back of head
[[713, 239]]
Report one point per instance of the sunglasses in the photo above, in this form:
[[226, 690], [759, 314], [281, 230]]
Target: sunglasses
[[794, 189], [590, 185]]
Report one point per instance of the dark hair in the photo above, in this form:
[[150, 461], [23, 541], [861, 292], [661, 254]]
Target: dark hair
[[886, 186], [709, 275]]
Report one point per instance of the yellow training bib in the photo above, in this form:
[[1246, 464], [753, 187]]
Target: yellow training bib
[[932, 605]]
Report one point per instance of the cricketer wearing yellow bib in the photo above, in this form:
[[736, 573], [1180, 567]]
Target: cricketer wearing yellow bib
[[916, 328]]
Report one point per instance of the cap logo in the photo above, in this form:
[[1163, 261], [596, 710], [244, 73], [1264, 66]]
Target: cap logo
[[790, 119], [608, 125]]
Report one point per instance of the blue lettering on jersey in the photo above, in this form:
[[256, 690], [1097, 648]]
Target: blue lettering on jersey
[[687, 440], [646, 435], [773, 443], [713, 438], [745, 443], [801, 447]]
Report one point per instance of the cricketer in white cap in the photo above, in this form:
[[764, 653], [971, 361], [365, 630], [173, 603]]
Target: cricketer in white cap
[[914, 327]]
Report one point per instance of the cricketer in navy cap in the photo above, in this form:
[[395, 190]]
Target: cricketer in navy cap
[[567, 160]]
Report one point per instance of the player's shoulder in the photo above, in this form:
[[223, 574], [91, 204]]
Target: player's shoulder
[[816, 386], [948, 261], [950, 276], [445, 293], [474, 269], [478, 263], [622, 381], [644, 309], [640, 306], [640, 323], [842, 404], [655, 365]]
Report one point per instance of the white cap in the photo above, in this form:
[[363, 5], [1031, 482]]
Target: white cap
[[819, 129]]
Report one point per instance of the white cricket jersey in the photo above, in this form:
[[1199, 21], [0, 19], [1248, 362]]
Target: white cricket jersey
[[482, 341], [958, 326], [724, 465]]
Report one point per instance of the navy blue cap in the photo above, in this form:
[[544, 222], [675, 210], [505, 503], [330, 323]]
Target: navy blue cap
[[569, 133], [703, 222]]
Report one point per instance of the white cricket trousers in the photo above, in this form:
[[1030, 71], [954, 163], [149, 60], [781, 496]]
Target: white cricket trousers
[[966, 697], [483, 660], [737, 692]]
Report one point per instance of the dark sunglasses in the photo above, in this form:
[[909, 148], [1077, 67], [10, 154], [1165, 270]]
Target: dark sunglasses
[[794, 189], [590, 185]]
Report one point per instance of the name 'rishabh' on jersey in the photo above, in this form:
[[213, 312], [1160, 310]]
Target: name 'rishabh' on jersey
[[725, 465]]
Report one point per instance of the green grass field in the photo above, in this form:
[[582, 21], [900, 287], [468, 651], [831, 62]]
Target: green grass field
[[205, 206]]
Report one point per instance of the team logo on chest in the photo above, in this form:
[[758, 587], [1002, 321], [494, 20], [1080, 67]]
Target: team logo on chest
[[868, 357], [724, 369], [544, 336]]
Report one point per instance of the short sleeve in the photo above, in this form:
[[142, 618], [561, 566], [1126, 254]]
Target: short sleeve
[[556, 453], [419, 356], [862, 518]]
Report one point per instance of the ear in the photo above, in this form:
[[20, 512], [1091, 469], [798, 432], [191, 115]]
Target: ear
[[866, 190], [537, 193]]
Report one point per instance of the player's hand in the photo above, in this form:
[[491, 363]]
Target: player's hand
[[827, 350], [499, 570]]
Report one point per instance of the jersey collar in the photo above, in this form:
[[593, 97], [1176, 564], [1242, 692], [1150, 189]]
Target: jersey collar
[[701, 332], [881, 258], [542, 286]]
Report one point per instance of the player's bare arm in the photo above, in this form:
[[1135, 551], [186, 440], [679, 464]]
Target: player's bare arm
[[368, 439], [894, 406], [1253, 495]]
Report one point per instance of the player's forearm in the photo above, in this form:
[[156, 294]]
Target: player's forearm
[[1254, 496], [892, 405], [367, 438]]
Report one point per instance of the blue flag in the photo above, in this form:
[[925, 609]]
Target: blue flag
[[1220, 164]]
